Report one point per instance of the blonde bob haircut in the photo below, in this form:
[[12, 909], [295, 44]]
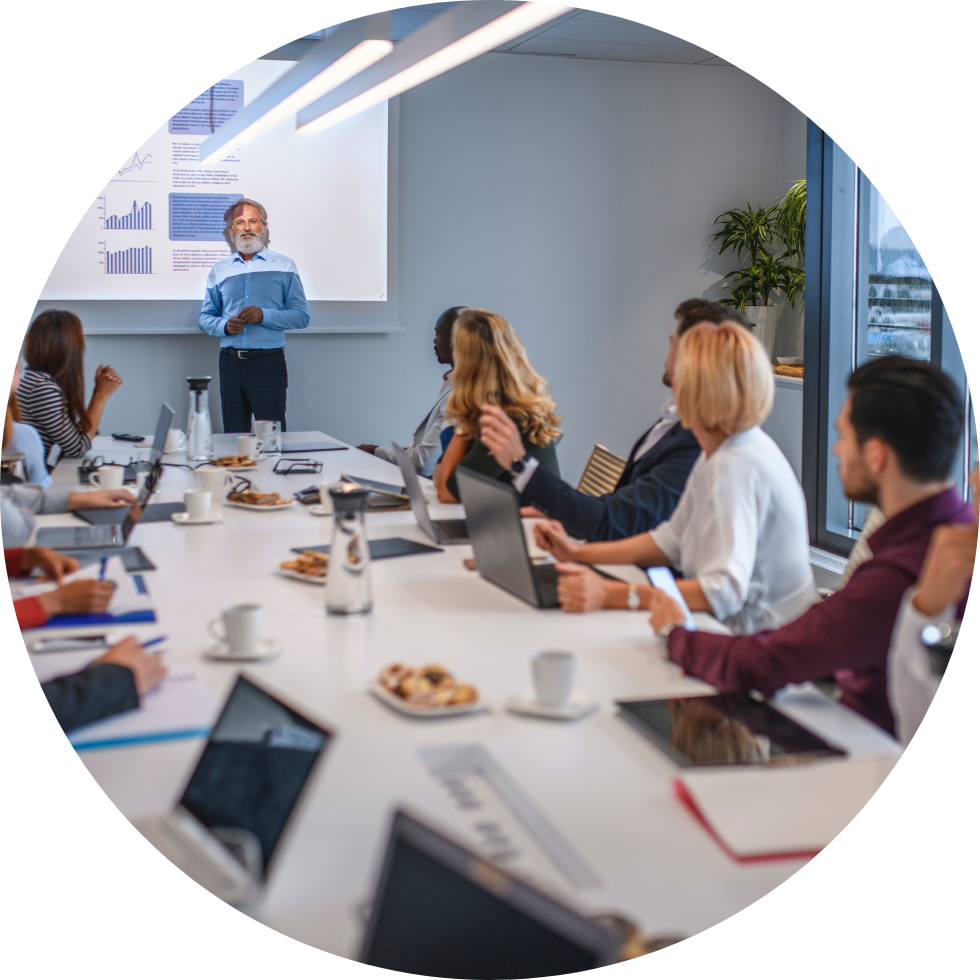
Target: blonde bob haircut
[[722, 379], [491, 368]]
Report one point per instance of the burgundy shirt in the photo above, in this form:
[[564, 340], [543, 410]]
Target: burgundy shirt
[[847, 635]]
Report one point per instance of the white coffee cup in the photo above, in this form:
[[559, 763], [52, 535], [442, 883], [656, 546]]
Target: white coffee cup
[[242, 628], [271, 435], [249, 446], [197, 503], [175, 441], [554, 676], [214, 479], [108, 477]]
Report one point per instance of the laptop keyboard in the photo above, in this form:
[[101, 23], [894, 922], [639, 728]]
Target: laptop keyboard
[[453, 530], [546, 578]]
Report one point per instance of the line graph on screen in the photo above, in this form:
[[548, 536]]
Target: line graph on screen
[[136, 164]]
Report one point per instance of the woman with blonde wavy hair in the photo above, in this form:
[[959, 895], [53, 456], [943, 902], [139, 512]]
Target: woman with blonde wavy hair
[[491, 368], [739, 534]]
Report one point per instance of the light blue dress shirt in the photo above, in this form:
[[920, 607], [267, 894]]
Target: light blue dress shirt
[[270, 282]]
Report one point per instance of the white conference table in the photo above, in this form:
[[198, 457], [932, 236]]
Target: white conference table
[[605, 788]]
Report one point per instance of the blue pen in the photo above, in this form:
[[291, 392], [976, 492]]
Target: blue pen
[[153, 642], [105, 561]]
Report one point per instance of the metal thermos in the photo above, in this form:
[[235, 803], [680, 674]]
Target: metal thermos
[[199, 443], [349, 568]]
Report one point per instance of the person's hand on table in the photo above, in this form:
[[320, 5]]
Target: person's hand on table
[[501, 436], [107, 380], [664, 610], [580, 589], [53, 565], [234, 326], [100, 498], [948, 568], [251, 314], [367, 448], [533, 512], [553, 538], [148, 669], [85, 596]]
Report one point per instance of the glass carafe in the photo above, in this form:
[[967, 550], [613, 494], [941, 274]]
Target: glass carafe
[[199, 443], [349, 568]]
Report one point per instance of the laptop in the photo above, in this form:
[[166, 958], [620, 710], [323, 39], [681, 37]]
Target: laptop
[[441, 911], [232, 817], [493, 516], [102, 535], [442, 532], [164, 421]]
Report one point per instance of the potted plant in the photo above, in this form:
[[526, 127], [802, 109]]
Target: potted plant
[[755, 234]]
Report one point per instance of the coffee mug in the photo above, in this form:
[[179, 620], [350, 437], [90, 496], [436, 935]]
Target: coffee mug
[[242, 628], [214, 479], [271, 435], [175, 441], [108, 477], [197, 503], [554, 676], [249, 446]]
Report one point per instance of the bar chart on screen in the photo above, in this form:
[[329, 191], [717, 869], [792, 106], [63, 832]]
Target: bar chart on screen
[[127, 261]]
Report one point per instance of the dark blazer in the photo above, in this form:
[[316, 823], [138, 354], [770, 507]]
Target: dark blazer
[[479, 459], [96, 692], [645, 495]]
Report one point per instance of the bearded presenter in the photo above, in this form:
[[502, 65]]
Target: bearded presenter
[[253, 297]]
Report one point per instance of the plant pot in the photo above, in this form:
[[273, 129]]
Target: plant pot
[[764, 321]]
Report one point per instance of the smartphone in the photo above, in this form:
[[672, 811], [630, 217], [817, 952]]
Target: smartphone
[[125, 437]]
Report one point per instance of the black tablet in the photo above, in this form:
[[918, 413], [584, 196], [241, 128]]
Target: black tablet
[[724, 729], [382, 548]]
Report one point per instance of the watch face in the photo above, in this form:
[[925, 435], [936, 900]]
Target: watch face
[[518, 466]]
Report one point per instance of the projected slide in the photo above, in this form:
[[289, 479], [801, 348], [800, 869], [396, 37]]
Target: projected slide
[[157, 228]]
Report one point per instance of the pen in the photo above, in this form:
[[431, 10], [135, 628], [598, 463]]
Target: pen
[[153, 642], [105, 561]]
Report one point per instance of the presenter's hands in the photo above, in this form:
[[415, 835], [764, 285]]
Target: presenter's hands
[[500, 435], [553, 538], [580, 590], [664, 610], [251, 314], [367, 448], [100, 498], [148, 669], [234, 326], [85, 596], [107, 380], [948, 568], [53, 565]]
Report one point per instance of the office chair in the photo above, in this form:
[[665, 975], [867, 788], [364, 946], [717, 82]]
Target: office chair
[[602, 472]]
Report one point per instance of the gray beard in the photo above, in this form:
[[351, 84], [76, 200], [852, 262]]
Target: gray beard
[[250, 244]]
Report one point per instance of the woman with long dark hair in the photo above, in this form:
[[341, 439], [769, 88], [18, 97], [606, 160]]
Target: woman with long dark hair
[[52, 391]]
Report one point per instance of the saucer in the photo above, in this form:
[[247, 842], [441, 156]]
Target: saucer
[[318, 510], [181, 517], [267, 649], [575, 709]]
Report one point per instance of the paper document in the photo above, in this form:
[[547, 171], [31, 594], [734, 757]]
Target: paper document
[[662, 578]]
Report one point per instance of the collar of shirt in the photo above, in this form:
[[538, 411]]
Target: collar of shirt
[[447, 381], [667, 421], [260, 254], [907, 527]]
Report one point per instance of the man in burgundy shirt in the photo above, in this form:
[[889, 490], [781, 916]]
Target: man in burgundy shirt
[[898, 433]]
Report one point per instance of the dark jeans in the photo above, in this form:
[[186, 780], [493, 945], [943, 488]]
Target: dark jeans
[[252, 385]]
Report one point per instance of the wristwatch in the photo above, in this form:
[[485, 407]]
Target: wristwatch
[[517, 467], [632, 597]]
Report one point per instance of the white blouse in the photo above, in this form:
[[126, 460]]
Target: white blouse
[[740, 529]]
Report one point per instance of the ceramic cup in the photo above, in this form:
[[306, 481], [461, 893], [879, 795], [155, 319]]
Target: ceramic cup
[[554, 676], [239, 628], [197, 503], [214, 479], [175, 441], [249, 446], [270, 433], [108, 477]]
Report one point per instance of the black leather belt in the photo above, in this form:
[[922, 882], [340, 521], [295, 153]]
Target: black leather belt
[[247, 354]]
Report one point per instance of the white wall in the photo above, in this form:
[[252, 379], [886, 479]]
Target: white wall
[[576, 198]]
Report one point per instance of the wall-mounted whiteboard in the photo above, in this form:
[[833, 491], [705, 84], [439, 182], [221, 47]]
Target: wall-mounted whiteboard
[[156, 229]]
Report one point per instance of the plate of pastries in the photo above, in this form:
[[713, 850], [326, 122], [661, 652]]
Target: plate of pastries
[[308, 566], [425, 692], [254, 500], [236, 463]]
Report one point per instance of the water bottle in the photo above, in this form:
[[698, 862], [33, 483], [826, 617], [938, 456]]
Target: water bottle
[[349, 569], [199, 444]]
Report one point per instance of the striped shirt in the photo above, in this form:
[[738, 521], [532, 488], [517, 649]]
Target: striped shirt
[[43, 405]]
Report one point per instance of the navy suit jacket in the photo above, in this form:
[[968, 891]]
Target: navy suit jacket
[[645, 495]]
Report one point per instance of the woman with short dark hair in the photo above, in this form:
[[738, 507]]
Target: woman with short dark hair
[[51, 394]]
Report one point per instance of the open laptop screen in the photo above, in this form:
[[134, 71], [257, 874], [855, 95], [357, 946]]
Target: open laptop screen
[[164, 421], [254, 767], [443, 912]]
